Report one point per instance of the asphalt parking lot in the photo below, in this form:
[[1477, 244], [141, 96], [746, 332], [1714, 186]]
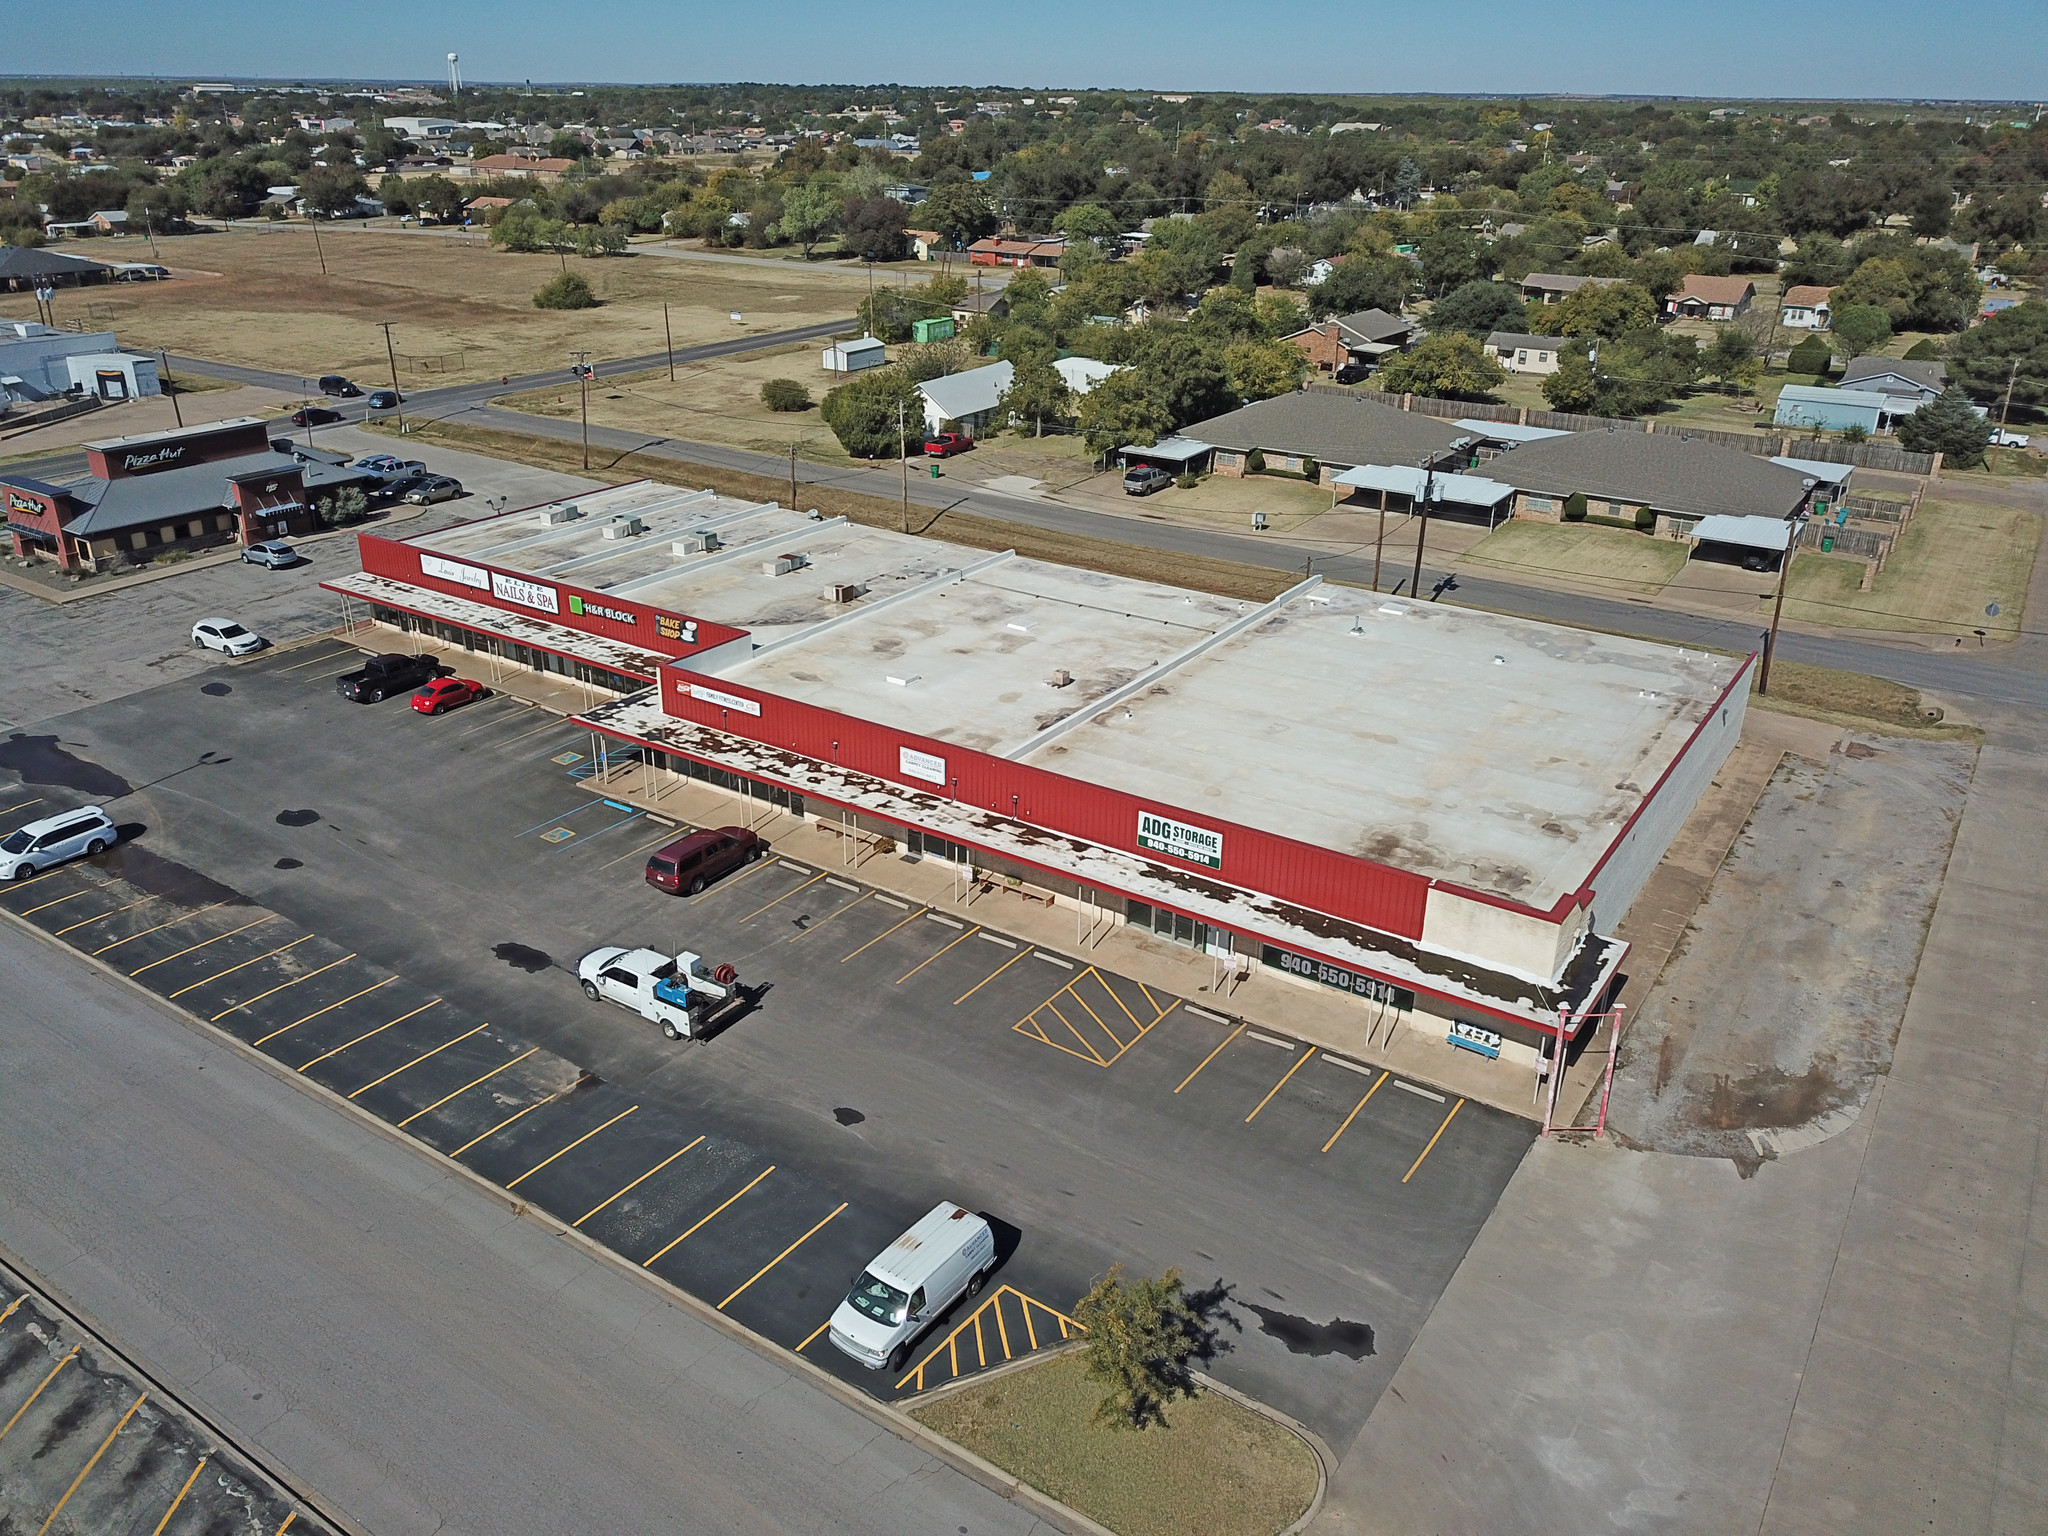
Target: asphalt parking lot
[[395, 905]]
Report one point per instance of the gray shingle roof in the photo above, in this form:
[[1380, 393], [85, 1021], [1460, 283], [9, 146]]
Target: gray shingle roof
[[1653, 469], [1928, 375], [138, 501], [1332, 428], [1375, 325], [19, 261], [1513, 339]]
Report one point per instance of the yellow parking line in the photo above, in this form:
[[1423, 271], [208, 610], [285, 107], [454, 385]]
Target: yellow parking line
[[359, 1039], [730, 881], [12, 1305], [1375, 1088], [268, 917], [295, 1023], [22, 805], [1300, 1062], [21, 885], [783, 897], [498, 719], [1211, 1057], [458, 1093], [58, 901], [536, 1168], [86, 922], [1433, 1140], [650, 1173], [1086, 1044], [96, 1455], [182, 917], [437, 1050], [216, 976], [24, 1408], [792, 1248], [1104, 984], [536, 1104], [992, 975], [649, 1264], [871, 943], [159, 1531], [807, 1343], [288, 1519], [308, 976], [316, 661], [928, 959], [863, 896]]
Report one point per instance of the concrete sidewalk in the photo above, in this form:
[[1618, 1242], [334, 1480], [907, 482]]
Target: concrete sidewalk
[[1855, 1340]]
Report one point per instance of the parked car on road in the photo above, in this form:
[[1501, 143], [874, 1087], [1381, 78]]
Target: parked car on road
[[941, 445], [314, 416], [685, 866], [67, 835], [446, 693], [909, 1285], [384, 399], [274, 553], [334, 384], [381, 676], [1144, 479], [226, 636], [430, 488]]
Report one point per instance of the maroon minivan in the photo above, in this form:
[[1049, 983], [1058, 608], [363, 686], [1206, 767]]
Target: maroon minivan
[[685, 866]]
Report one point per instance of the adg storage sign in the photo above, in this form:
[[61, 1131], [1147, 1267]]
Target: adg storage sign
[[1198, 845]]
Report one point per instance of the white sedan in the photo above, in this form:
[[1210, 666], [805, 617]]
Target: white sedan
[[226, 636]]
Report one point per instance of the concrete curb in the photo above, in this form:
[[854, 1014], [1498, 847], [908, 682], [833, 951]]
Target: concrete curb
[[884, 1415], [1326, 1459]]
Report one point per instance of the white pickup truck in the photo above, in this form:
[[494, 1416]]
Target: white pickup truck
[[679, 992]]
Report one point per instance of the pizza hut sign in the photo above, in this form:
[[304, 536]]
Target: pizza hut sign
[[158, 458]]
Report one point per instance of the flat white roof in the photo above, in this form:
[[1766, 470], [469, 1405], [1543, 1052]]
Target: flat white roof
[[1510, 432], [1406, 480], [1819, 469], [1750, 532]]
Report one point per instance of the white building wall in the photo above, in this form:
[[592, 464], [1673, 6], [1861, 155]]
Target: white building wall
[[40, 357], [1500, 938]]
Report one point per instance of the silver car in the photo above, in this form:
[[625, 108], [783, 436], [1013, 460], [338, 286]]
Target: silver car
[[273, 553], [67, 835]]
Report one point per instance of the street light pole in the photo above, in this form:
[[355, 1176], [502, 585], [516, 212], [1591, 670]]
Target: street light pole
[[583, 380]]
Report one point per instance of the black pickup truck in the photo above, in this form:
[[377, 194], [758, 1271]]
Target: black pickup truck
[[383, 676]]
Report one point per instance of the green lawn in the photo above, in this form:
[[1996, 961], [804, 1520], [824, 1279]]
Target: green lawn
[[1586, 554], [1955, 559], [1218, 1469]]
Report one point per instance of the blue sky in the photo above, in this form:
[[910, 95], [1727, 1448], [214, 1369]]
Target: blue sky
[[1988, 49]]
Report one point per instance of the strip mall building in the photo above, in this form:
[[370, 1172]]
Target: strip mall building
[[1433, 809]]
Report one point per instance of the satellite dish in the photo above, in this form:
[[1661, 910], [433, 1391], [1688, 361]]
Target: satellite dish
[[1991, 609]]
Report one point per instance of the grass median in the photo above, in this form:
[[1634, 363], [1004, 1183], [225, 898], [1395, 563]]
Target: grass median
[[1218, 1469]]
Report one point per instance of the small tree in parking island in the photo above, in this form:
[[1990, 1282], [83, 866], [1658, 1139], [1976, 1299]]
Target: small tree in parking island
[[565, 290], [1141, 1335]]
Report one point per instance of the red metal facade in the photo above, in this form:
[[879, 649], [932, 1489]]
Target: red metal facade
[[651, 629], [1358, 890]]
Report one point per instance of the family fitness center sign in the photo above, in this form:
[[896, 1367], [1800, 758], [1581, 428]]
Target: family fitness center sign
[[1197, 845]]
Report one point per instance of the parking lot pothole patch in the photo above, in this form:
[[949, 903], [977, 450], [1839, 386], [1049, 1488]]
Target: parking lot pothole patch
[[525, 957], [42, 760], [216, 690], [848, 1116], [1339, 1336], [297, 818], [289, 864]]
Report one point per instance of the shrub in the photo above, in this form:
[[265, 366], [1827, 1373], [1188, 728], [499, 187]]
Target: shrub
[[874, 413], [785, 395], [568, 290], [1855, 432], [1187, 482], [1646, 519], [1255, 463], [1575, 507], [1311, 471], [1925, 350], [1811, 356]]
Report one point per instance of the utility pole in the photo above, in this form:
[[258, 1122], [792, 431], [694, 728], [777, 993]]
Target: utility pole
[[1458, 445], [1763, 681], [792, 477], [172, 390], [149, 227], [1380, 543], [668, 340], [903, 454], [318, 250], [583, 379], [391, 356], [2011, 379]]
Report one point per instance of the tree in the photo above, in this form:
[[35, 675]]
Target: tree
[[438, 198], [1922, 287], [1258, 370], [867, 411], [1479, 309], [1449, 364], [1571, 387], [785, 395], [522, 227], [1861, 329], [1949, 427], [1122, 409], [874, 228], [593, 240], [1732, 359], [1185, 373], [1088, 221], [1982, 359], [1811, 356], [392, 193], [1362, 282], [347, 505], [959, 212], [565, 290], [568, 145], [1141, 1336], [1036, 392], [1606, 310], [332, 192], [809, 214], [1932, 209], [1452, 257]]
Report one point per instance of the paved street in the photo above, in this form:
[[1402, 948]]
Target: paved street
[[386, 1333]]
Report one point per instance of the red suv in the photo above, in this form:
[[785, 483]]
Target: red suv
[[941, 445], [685, 866]]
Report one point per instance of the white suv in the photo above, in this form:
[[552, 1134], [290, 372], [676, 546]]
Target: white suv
[[68, 835]]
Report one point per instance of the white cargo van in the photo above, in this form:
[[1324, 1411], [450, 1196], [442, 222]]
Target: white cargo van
[[910, 1285]]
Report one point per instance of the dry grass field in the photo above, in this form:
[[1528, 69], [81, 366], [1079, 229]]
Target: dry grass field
[[459, 311]]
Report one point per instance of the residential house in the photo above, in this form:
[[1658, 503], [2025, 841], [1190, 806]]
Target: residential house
[[1082, 374], [485, 207], [924, 243], [965, 402], [1530, 354], [1804, 307], [1818, 408], [1363, 337], [1337, 429], [22, 268], [1910, 385], [1676, 478], [996, 251], [522, 167], [991, 302], [1552, 286], [1706, 297]]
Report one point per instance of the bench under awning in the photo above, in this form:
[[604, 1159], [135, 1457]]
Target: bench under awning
[[1771, 533]]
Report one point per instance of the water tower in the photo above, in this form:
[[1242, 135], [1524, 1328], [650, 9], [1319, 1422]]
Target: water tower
[[454, 75]]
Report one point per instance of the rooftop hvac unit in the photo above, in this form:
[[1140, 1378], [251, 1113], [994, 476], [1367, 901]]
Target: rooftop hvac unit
[[1060, 679], [782, 565], [696, 544], [551, 517], [844, 592], [624, 528]]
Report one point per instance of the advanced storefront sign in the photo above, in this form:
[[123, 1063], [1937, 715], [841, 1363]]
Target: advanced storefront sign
[[583, 605], [1337, 976], [723, 700], [921, 765], [157, 458], [1197, 845], [527, 594], [455, 571], [669, 627]]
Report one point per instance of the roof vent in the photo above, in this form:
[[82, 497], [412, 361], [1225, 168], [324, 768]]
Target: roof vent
[[1060, 679], [813, 514], [624, 528], [551, 517]]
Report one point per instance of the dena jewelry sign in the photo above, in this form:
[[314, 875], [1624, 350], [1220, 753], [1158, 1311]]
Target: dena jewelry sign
[[1197, 845]]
